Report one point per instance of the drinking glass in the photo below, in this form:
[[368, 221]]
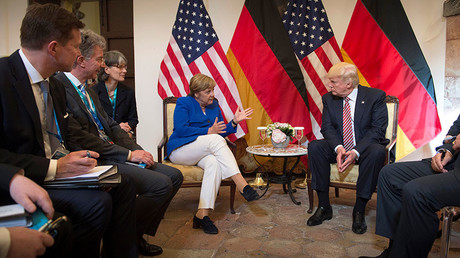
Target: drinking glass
[[298, 133], [262, 133]]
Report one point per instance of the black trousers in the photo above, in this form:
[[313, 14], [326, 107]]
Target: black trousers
[[97, 214], [155, 187], [321, 155], [409, 194]]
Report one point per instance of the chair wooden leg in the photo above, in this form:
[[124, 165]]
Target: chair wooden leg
[[310, 197], [447, 214], [232, 198], [337, 192]]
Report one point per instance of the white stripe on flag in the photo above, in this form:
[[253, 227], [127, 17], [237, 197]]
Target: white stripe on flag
[[331, 54], [226, 75], [319, 68]]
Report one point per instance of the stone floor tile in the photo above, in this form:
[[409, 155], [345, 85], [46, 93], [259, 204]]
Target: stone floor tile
[[281, 247]]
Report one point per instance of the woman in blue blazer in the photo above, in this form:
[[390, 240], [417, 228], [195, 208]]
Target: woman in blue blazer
[[198, 139]]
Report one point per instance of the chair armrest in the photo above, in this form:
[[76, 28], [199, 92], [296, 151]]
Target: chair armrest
[[388, 149], [160, 148]]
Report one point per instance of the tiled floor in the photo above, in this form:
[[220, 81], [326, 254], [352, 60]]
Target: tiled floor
[[272, 227]]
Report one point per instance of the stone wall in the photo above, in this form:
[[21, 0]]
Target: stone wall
[[452, 77]]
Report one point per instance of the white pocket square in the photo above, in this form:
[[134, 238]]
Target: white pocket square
[[66, 115]]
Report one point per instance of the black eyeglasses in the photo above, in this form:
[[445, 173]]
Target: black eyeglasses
[[121, 67]]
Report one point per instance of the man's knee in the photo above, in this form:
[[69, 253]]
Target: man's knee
[[316, 147], [413, 192]]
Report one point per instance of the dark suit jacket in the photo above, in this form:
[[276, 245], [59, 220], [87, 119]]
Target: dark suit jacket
[[21, 137], [7, 172], [454, 130], [88, 136], [370, 119], [125, 106]]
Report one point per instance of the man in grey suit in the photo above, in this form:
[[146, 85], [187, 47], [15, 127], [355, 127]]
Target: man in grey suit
[[156, 184]]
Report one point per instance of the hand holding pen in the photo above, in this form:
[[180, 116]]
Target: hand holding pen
[[76, 163]]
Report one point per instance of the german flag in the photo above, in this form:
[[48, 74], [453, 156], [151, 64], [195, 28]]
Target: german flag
[[266, 70], [381, 43]]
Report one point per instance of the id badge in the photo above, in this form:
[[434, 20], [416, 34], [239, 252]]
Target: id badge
[[60, 152]]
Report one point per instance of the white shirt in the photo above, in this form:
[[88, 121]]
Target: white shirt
[[35, 78]]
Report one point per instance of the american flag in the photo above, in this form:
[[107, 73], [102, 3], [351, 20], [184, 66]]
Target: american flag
[[316, 49], [194, 48]]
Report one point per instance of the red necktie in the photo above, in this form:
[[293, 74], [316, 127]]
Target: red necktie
[[347, 126]]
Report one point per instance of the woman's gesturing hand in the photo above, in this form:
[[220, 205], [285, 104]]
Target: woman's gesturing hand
[[217, 127], [242, 115]]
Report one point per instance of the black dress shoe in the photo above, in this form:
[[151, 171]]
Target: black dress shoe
[[384, 254], [250, 194], [205, 223], [359, 223], [147, 249], [321, 214]]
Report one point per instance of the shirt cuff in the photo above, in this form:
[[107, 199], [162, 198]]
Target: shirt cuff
[[357, 153], [5, 242], [129, 156], [336, 147], [52, 169]]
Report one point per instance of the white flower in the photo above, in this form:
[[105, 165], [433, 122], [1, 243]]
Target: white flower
[[278, 136]]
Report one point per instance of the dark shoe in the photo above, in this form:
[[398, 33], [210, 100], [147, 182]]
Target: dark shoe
[[359, 223], [321, 214], [250, 194], [147, 249], [384, 254], [205, 223]]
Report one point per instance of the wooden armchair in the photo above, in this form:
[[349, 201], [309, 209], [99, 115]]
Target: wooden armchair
[[348, 178], [193, 175]]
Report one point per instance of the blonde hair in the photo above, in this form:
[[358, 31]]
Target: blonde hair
[[346, 71], [200, 82]]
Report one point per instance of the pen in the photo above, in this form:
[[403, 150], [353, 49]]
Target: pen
[[88, 155]]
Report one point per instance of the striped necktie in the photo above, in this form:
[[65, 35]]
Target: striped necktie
[[347, 126]]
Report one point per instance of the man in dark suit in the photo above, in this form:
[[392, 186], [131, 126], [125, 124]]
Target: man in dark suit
[[354, 122], [34, 126], [157, 184], [410, 194]]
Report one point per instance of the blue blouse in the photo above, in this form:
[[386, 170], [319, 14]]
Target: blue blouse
[[190, 122]]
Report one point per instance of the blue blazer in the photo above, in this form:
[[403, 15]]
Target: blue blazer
[[190, 122]]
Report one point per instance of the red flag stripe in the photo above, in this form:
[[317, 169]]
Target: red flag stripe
[[420, 123], [269, 76]]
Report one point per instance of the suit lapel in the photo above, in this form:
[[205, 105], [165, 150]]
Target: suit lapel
[[360, 105], [121, 95], [338, 106], [102, 91], [26, 94]]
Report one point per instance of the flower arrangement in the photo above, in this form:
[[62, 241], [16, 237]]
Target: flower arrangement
[[280, 131]]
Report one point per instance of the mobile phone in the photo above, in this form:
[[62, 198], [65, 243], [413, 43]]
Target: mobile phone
[[39, 219], [141, 165]]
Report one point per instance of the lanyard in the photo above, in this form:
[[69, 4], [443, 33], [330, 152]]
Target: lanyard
[[113, 101], [92, 111], [89, 107], [58, 135]]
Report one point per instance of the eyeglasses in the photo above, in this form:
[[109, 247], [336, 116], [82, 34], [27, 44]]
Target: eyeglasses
[[121, 67]]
